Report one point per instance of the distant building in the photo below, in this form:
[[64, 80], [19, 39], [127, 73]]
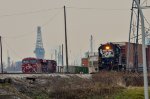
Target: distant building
[[90, 60], [85, 62], [18, 65], [8, 61], [14, 67]]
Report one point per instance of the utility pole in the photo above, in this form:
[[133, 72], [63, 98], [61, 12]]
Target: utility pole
[[136, 43], [146, 94], [91, 44], [128, 52], [59, 55], [1, 55], [62, 56], [56, 56], [91, 48], [66, 38]]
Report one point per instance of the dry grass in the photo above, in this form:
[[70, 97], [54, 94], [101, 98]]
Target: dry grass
[[102, 85]]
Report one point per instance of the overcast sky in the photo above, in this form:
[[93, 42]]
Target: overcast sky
[[106, 20]]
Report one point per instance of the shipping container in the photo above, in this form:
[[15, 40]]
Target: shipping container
[[77, 70], [124, 51]]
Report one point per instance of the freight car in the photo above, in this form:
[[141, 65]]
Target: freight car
[[34, 65], [109, 57], [77, 70]]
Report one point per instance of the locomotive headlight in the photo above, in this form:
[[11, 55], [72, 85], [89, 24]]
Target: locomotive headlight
[[107, 47]]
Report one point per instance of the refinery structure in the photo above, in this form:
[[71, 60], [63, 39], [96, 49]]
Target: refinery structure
[[112, 64], [39, 49]]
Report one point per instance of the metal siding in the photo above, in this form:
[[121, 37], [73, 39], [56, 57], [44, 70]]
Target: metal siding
[[140, 57], [72, 69], [78, 69], [131, 55], [148, 56]]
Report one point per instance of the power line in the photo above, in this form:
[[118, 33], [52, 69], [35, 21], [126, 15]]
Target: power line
[[144, 18], [111, 9], [140, 34], [29, 34], [19, 36], [50, 20], [12, 50], [145, 1], [30, 12], [145, 36]]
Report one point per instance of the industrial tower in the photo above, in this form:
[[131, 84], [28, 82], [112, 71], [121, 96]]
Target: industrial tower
[[91, 44], [135, 35], [39, 50], [8, 60]]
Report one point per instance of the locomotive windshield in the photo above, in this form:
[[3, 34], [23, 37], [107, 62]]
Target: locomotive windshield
[[25, 61], [32, 61], [107, 51]]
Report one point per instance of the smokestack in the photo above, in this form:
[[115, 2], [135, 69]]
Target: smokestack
[[91, 44]]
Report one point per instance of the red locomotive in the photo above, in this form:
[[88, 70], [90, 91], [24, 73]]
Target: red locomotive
[[34, 65]]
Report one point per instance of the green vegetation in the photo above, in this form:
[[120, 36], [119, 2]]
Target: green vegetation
[[131, 93]]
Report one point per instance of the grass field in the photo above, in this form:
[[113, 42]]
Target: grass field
[[104, 85], [131, 93]]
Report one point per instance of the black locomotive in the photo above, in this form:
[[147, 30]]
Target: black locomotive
[[109, 57]]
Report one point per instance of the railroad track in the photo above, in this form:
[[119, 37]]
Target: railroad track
[[36, 75]]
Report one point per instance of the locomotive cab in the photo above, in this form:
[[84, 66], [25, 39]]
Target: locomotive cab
[[109, 57]]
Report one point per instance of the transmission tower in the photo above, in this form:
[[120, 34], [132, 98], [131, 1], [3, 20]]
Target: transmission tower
[[135, 32], [39, 50]]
